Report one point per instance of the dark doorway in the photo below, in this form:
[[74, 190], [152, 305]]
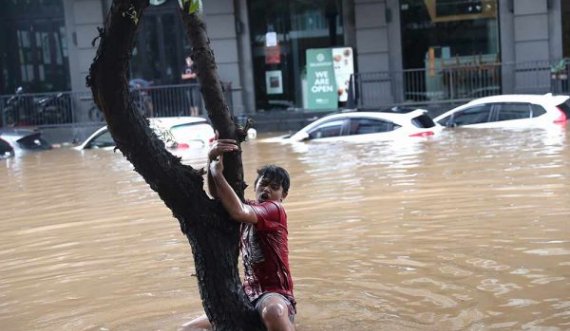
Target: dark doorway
[[161, 43], [565, 28], [281, 33], [450, 48]]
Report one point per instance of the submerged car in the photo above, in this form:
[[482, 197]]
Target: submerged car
[[369, 126], [24, 140], [514, 110], [178, 133]]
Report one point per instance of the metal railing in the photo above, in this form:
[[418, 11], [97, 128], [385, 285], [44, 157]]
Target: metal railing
[[66, 108], [458, 83], [448, 85]]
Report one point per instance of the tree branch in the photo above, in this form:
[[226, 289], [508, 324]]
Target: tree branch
[[213, 237]]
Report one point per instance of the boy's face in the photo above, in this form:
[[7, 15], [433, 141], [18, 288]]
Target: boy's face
[[266, 190]]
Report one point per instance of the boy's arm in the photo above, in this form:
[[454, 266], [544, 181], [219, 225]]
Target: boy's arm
[[219, 147], [231, 202]]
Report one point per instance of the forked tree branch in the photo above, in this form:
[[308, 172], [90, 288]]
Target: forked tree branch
[[213, 236]]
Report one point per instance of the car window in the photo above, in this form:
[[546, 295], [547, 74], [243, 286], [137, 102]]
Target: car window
[[5, 148], [513, 111], [327, 129], [423, 121], [103, 140], [565, 107], [33, 142], [537, 110], [472, 115], [367, 125]]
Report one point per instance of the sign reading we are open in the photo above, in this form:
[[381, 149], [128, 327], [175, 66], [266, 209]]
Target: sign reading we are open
[[328, 76]]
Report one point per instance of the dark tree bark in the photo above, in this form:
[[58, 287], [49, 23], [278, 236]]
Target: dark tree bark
[[214, 237]]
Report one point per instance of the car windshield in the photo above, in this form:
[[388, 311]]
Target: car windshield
[[33, 142], [328, 129], [102, 140], [423, 121], [5, 149], [565, 107], [472, 115]]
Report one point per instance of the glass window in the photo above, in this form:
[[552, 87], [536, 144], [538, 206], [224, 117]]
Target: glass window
[[5, 148], [103, 140], [365, 126], [423, 121], [33, 47], [565, 107], [472, 115], [327, 129], [513, 111], [281, 33], [450, 48], [33, 142], [158, 55]]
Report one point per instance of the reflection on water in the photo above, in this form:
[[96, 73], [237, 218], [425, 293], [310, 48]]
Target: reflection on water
[[468, 230]]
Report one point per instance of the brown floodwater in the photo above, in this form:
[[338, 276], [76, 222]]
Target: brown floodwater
[[469, 230]]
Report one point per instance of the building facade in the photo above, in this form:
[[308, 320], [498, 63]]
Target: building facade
[[261, 47]]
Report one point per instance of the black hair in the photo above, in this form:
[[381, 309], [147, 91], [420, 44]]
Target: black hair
[[274, 174]]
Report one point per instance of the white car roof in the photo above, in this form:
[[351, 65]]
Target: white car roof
[[532, 98], [398, 118]]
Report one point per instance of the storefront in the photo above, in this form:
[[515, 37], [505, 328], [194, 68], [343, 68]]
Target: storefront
[[33, 46], [281, 33], [404, 49], [440, 35]]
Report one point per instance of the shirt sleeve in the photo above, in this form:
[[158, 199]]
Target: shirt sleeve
[[268, 216]]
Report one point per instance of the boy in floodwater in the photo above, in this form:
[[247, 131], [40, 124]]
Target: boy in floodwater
[[263, 244]]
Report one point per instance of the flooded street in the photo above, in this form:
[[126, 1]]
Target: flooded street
[[469, 230]]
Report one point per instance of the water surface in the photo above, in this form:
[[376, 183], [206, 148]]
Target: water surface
[[465, 231]]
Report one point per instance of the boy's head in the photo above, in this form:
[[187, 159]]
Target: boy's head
[[272, 183]]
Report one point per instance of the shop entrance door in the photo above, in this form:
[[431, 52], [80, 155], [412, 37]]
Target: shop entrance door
[[565, 28], [158, 55]]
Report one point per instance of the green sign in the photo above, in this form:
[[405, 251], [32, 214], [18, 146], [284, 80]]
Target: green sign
[[321, 83]]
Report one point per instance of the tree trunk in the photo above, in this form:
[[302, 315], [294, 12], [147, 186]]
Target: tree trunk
[[214, 237]]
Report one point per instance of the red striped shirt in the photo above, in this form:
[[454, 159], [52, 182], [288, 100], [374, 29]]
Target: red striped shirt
[[265, 252]]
